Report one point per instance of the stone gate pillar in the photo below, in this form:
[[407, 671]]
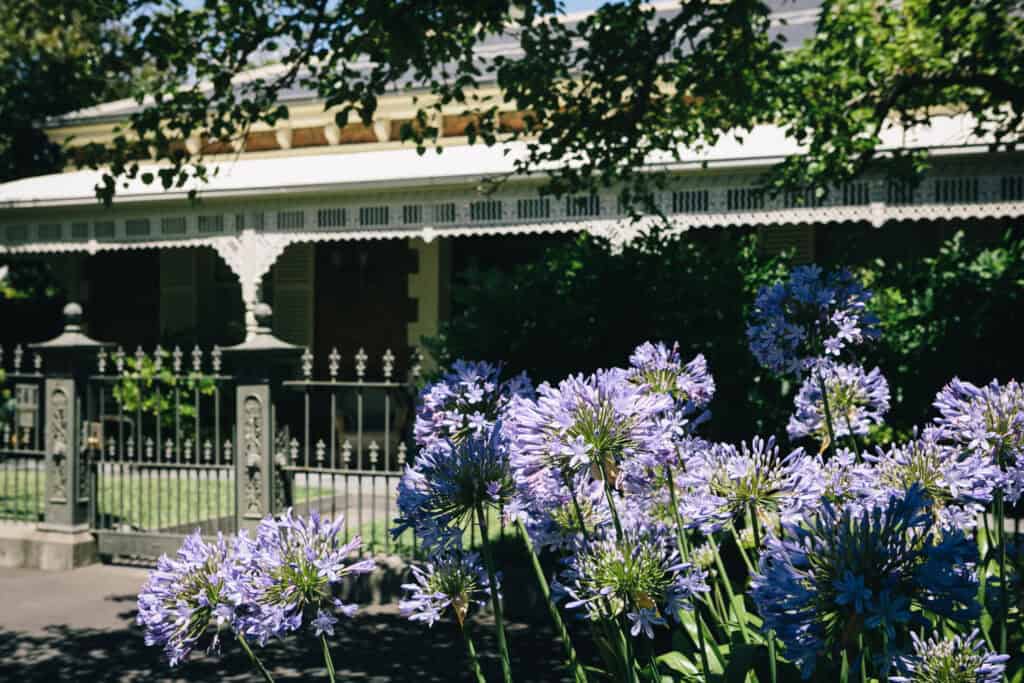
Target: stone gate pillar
[[259, 364]]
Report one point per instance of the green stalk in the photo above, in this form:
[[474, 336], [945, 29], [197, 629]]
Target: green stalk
[[756, 527], [681, 539], [556, 616], [739, 546], [853, 437], [506, 665], [828, 416], [610, 499], [474, 662], [255, 660], [1004, 601], [327, 658], [728, 590]]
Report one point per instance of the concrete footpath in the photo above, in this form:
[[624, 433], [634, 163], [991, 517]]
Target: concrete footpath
[[79, 626]]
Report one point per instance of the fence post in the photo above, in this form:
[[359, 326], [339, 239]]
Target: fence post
[[68, 491], [258, 364]]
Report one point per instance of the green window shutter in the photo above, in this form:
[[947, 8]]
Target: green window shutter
[[798, 239], [177, 292], [294, 275]]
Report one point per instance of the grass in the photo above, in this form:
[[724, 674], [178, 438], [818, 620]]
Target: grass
[[148, 500]]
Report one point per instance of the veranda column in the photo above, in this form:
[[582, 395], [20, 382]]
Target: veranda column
[[67, 359], [259, 365]]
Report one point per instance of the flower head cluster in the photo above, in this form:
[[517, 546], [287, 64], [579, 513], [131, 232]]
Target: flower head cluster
[[847, 571], [187, 595], [289, 572], [856, 400], [722, 481], [439, 495], [467, 400], [577, 435], [989, 421], [452, 579], [807, 318], [640, 576], [661, 370], [959, 659]]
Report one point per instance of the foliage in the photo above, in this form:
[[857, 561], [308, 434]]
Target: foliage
[[625, 85], [582, 306], [150, 386], [55, 56]]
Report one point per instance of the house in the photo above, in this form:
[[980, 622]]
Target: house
[[353, 237]]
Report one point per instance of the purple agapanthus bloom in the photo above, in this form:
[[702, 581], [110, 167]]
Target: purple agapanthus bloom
[[957, 659], [661, 370], [467, 400], [960, 482], [639, 575], [989, 421], [721, 482], [188, 596], [856, 399], [809, 317], [452, 579], [585, 430], [848, 572], [290, 571], [439, 494]]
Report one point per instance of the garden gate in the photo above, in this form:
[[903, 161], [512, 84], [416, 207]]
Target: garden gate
[[144, 448]]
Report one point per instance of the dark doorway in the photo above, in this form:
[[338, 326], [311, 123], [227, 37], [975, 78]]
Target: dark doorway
[[122, 297]]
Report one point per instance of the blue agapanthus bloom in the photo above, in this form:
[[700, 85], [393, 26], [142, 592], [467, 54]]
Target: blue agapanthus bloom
[[989, 421], [289, 574], [810, 317], [467, 400], [189, 596], [639, 576], [856, 400], [722, 482], [958, 659], [451, 580], [572, 438], [960, 482], [691, 386], [850, 571], [439, 494]]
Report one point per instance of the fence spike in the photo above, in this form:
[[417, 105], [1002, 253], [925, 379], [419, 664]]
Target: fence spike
[[216, 359], [361, 359], [415, 365], [111, 446], [140, 358], [176, 357], [187, 448], [149, 448], [197, 359], [402, 452], [307, 364], [119, 360], [293, 451], [129, 447], [374, 453], [334, 363], [389, 364], [228, 448], [168, 449], [37, 362], [346, 452], [158, 358], [321, 448], [101, 361], [5, 434], [207, 451], [18, 353]]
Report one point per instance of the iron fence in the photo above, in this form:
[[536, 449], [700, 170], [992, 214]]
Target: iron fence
[[22, 451]]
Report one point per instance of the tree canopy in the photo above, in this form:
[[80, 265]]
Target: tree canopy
[[604, 94]]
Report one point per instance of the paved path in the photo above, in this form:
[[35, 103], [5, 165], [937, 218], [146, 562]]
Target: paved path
[[78, 626]]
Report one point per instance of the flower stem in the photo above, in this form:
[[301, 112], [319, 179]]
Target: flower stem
[[1004, 598], [255, 660], [756, 528], [474, 662], [556, 617], [499, 621], [610, 499], [740, 621], [328, 662], [828, 415]]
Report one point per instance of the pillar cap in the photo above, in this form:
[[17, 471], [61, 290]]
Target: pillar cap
[[72, 338]]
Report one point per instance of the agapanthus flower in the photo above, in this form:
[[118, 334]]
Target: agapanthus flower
[[291, 570], [188, 596], [691, 386], [639, 575], [957, 659], [722, 482], [452, 579], [807, 318], [849, 571], [856, 400], [438, 496], [960, 482], [467, 400], [988, 420]]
